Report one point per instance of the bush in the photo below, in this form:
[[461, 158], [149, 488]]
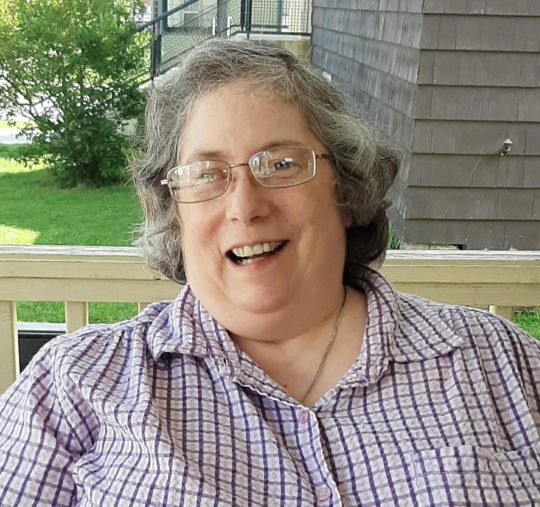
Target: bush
[[73, 67], [393, 242]]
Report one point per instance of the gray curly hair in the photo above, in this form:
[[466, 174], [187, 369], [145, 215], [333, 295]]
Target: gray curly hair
[[364, 168]]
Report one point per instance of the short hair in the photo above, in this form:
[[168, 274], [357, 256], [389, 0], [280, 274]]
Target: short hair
[[364, 167]]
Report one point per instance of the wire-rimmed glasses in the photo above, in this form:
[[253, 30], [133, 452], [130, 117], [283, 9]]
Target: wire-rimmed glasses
[[276, 167]]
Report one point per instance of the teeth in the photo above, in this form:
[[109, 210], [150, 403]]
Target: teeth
[[247, 261], [250, 251]]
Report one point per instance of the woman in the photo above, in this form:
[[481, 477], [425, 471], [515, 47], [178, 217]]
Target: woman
[[286, 372]]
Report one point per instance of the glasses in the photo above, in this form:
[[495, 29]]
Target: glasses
[[278, 167]]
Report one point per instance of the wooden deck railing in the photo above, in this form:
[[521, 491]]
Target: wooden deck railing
[[79, 275]]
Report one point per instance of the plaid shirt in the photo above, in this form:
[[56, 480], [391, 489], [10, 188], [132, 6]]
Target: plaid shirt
[[440, 408]]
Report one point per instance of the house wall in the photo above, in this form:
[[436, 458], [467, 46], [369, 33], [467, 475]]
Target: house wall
[[371, 49], [449, 81], [478, 84]]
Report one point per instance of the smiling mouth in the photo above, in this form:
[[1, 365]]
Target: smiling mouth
[[249, 254]]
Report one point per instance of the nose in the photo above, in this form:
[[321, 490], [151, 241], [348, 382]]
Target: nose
[[247, 201]]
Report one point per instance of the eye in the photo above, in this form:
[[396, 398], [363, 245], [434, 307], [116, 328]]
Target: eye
[[280, 165], [284, 168]]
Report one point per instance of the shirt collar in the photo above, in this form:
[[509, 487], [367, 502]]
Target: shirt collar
[[184, 326], [399, 328], [176, 327]]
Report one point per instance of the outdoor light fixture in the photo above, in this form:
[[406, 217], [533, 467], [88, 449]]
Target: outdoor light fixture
[[506, 147]]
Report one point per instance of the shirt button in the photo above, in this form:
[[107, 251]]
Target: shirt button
[[303, 417], [323, 494]]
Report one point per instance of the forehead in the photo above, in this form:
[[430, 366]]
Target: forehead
[[234, 120]]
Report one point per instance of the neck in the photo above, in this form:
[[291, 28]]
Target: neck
[[331, 339], [292, 361], [311, 332]]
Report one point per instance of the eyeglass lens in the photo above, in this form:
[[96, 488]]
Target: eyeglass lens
[[276, 167]]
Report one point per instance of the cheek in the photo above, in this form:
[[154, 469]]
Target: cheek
[[198, 232], [327, 209], [191, 220], [189, 231]]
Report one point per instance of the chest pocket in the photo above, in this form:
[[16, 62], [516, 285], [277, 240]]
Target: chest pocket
[[473, 476]]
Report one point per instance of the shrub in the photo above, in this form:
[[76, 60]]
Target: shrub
[[393, 242], [72, 67]]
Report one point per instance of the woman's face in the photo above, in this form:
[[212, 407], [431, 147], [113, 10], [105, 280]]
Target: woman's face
[[299, 280]]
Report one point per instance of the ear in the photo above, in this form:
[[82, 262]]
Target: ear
[[346, 217]]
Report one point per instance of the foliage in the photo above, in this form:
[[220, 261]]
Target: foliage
[[72, 67], [9, 151], [394, 243]]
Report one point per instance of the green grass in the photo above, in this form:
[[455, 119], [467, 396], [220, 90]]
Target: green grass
[[34, 210], [529, 320], [18, 124]]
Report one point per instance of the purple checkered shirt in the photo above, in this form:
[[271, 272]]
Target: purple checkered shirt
[[440, 408]]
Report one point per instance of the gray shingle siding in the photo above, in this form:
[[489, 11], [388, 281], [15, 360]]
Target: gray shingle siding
[[431, 170], [489, 7], [448, 81], [476, 234]]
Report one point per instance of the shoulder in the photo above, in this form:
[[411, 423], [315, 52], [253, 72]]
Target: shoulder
[[98, 338], [416, 329], [471, 324], [483, 340], [98, 354]]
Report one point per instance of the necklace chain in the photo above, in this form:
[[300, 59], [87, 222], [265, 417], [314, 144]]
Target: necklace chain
[[317, 375]]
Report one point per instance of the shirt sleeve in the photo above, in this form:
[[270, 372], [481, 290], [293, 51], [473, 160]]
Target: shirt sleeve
[[39, 443]]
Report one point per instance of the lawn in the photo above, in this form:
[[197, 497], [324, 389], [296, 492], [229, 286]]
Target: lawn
[[530, 321], [18, 124], [34, 210]]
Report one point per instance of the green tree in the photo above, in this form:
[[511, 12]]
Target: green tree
[[73, 67]]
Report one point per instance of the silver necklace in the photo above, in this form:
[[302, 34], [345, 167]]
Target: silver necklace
[[317, 375]]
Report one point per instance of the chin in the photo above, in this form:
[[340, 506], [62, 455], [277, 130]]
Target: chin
[[262, 305]]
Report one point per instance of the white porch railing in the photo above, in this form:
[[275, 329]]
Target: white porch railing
[[79, 275]]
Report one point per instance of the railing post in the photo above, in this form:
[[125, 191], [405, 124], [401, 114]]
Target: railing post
[[76, 315], [9, 344], [507, 312], [141, 306]]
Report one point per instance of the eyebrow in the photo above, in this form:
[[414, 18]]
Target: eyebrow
[[220, 155]]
